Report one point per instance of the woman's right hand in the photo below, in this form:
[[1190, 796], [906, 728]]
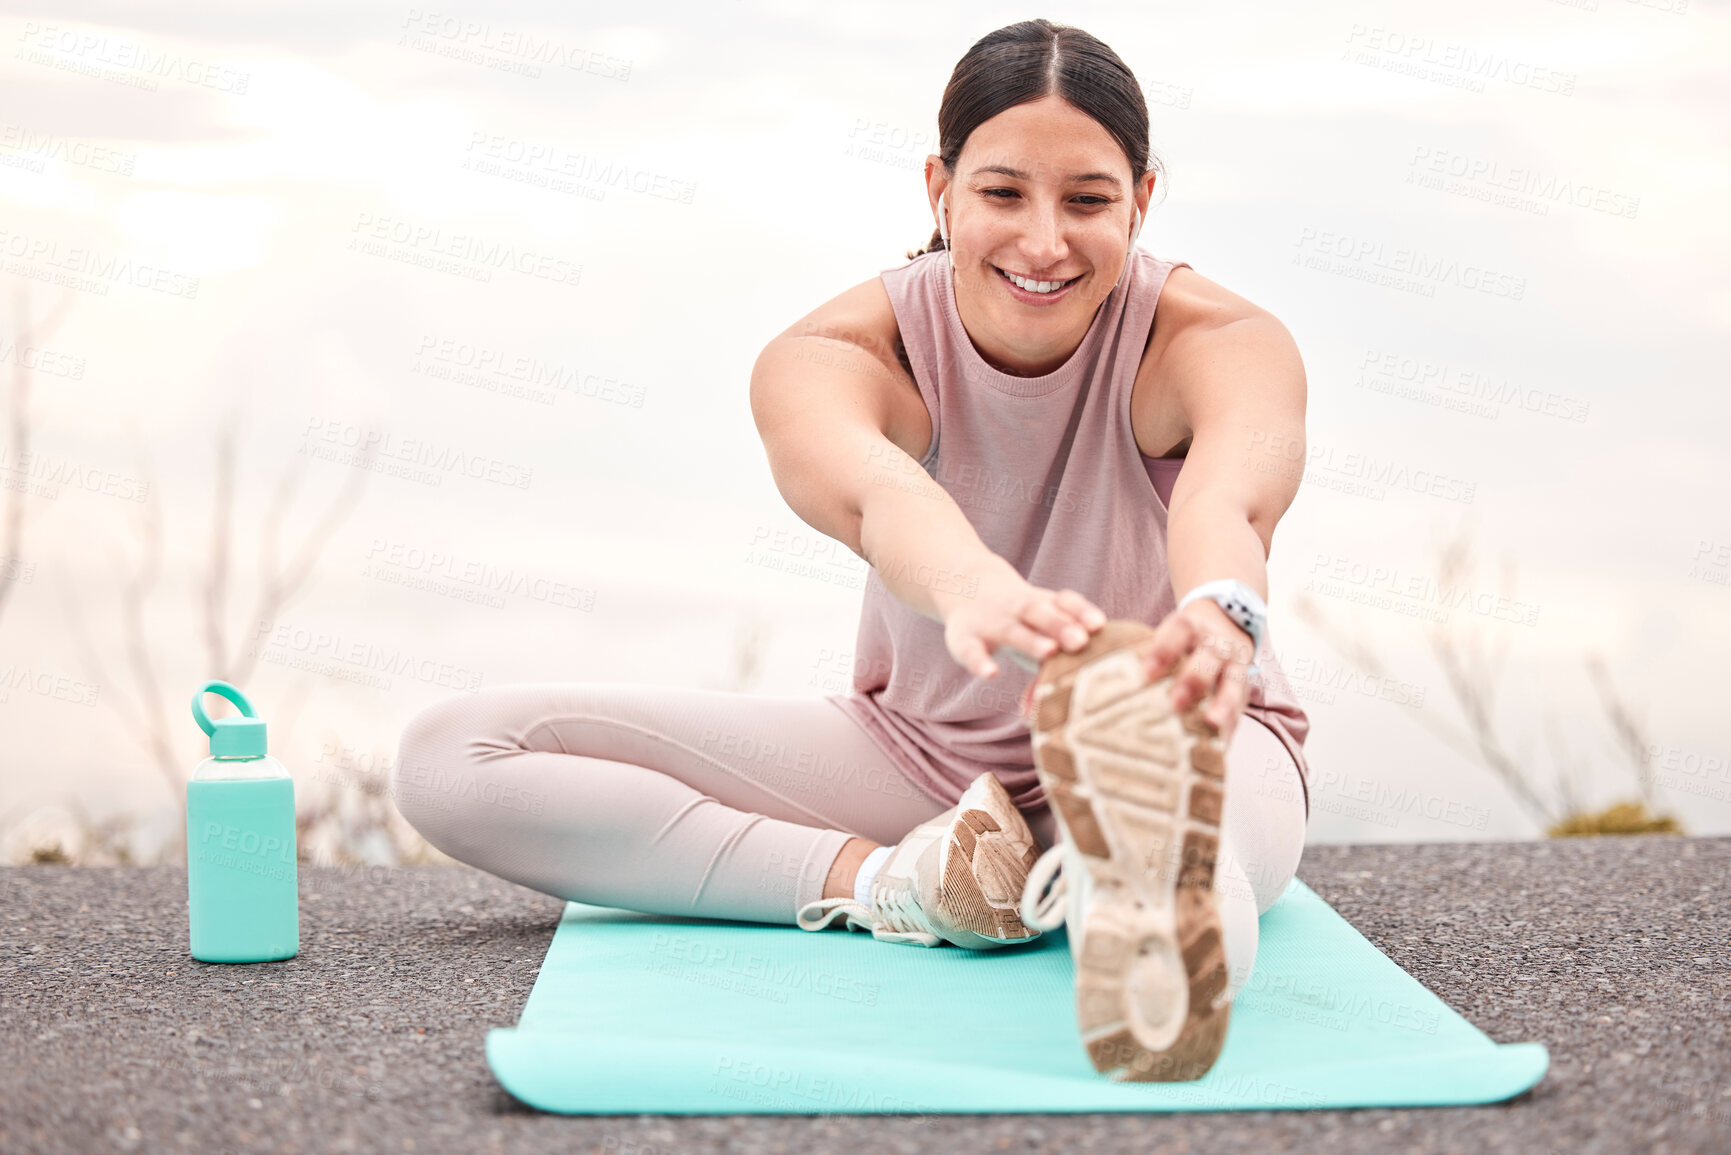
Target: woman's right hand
[[1007, 610]]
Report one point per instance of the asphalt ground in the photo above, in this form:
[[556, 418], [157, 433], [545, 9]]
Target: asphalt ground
[[1610, 951]]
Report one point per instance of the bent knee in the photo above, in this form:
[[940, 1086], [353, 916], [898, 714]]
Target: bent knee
[[456, 783], [432, 759]]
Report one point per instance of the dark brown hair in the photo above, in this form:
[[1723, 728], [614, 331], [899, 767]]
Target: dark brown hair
[[1023, 62]]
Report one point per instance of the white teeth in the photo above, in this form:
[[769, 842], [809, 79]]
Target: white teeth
[[1033, 286]]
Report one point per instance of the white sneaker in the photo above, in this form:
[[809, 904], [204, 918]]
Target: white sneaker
[[956, 878], [1137, 791]]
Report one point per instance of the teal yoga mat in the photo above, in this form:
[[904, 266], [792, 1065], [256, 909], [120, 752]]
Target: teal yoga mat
[[650, 1014]]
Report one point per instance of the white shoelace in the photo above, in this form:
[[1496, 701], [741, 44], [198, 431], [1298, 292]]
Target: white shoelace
[[894, 916], [1043, 913]]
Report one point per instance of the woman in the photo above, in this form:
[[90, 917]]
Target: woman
[[998, 427]]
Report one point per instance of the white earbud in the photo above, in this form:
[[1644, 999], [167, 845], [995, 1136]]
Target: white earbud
[[944, 232], [1130, 249]]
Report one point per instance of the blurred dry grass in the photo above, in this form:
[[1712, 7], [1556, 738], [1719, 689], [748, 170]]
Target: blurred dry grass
[[1472, 663], [150, 685], [343, 816]]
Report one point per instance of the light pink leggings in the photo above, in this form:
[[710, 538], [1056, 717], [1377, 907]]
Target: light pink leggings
[[724, 805]]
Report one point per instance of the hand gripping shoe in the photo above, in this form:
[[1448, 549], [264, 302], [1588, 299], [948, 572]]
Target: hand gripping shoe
[[1137, 791], [956, 878]]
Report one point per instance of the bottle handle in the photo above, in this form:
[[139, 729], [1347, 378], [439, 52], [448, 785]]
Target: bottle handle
[[225, 690]]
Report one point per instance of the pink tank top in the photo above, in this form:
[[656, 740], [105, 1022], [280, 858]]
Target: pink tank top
[[1047, 471]]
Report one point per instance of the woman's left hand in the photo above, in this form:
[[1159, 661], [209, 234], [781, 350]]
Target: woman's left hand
[[1211, 655]]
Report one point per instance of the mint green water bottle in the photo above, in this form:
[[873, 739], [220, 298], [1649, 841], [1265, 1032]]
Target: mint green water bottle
[[242, 900]]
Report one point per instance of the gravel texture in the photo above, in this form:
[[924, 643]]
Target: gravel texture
[[1610, 951]]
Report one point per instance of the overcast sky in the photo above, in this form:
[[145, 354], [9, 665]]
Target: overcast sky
[[550, 245]]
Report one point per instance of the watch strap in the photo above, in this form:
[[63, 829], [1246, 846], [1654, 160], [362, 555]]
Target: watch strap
[[1242, 604]]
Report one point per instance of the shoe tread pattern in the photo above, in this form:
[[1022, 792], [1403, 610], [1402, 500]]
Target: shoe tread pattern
[[1139, 790], [980, 885]]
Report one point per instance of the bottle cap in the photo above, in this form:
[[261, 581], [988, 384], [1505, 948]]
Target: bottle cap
[[241, 737]]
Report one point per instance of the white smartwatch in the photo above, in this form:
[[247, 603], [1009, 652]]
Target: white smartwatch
[[1242, 604]]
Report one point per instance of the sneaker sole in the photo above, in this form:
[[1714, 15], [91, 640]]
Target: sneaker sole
[[1138, 788], [982, 868]]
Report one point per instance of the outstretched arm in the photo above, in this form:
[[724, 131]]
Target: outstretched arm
[[841, 419], [1241, 384]]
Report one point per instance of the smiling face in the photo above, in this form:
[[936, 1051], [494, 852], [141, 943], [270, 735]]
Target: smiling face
[[1040, 212]]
